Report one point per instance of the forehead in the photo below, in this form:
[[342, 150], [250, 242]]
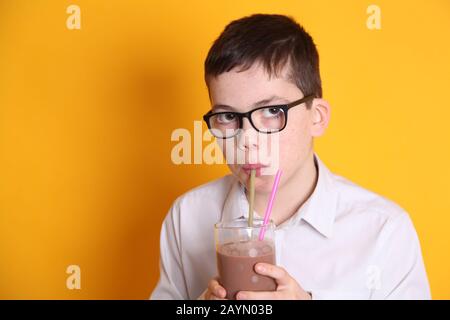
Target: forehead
[[244, 88]]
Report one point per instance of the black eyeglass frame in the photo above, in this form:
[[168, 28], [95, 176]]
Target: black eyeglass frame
[[248, 115]]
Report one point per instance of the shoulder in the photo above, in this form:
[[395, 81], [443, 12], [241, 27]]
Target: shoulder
[[354, 199], [204, 200], [372, 212], [214, 191], [377, 217]]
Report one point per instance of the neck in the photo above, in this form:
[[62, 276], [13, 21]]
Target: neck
[[292, 194]]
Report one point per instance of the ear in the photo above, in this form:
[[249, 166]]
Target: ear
[[320, 117]]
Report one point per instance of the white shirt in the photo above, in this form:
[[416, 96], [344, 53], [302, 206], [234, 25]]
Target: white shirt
[[344, 242]]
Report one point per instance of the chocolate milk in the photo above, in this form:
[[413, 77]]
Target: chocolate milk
[[236, 263]]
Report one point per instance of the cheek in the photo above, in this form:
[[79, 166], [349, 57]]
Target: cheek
[[295, 141]]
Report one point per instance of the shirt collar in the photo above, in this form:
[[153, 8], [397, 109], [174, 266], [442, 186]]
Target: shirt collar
[[236, 203], [319, 210]]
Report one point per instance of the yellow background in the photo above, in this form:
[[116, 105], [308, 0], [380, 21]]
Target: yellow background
[[86, 117]]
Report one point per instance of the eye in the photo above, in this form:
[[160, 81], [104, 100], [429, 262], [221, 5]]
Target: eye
[[225, 118], [272, 112]]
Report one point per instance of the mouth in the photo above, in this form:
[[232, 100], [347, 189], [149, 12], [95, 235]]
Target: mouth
[[247, 168]]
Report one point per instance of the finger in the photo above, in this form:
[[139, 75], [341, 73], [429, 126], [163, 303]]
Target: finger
[[216, 289], [211, 296], [214, 297], [279, 274], [258, 295]]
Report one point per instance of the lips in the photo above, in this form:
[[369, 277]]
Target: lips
[[252, 166], [249, 167]]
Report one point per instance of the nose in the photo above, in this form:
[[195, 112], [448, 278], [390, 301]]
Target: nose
[[248, 138]]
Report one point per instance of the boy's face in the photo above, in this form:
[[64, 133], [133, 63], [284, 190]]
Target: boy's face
[[241, 91]]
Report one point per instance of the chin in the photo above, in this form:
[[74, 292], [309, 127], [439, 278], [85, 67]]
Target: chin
[[263, 184]]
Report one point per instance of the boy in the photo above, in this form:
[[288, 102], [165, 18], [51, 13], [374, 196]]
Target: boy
[[334, 239]]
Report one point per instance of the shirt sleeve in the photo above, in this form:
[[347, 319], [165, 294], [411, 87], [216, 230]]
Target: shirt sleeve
[[171, 284], [402, 270]]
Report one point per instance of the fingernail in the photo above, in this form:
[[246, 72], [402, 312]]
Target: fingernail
[[241, 296], [260, 268]]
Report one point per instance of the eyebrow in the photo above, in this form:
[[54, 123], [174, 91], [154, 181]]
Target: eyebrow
[[257, 104]]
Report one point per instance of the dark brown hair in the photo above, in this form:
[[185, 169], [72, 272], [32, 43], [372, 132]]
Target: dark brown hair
[[272, 40]]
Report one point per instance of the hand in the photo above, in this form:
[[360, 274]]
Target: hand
[[215, 291], [287, 287]]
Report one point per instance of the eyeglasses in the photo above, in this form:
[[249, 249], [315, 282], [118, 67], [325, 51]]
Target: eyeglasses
[[268, 119]]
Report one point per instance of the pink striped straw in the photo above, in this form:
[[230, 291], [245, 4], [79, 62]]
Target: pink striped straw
[[270, 205]]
